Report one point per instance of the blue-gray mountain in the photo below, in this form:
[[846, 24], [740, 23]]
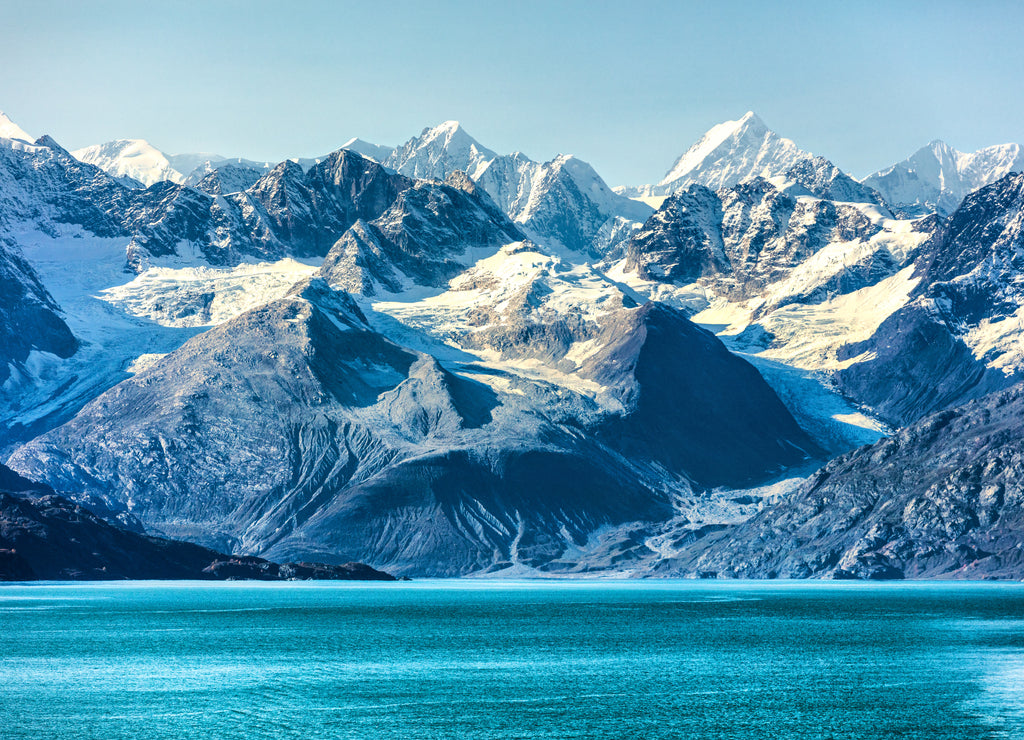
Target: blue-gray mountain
[[44, 536], [942, 498], [297, 432]]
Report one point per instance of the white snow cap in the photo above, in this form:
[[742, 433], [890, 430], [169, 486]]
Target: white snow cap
[[135, 158], [10, 130], [731, 152]]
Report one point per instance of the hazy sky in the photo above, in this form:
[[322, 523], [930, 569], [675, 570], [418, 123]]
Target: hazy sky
[[627, 86]]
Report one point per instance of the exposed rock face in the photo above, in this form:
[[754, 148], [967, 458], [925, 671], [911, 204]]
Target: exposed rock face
[[563, 202], [286, 212], [682, 241], [958, 337], [297, 432], [46, 536], [420, 237], [29, 318], [231, 178], [746, 239], [818, 177], [41, 184], [942, 498]]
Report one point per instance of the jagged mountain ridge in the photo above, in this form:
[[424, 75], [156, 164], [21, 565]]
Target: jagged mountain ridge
[[562, 203], [788, 252], [137, 163], [55, 204], [937, 177]]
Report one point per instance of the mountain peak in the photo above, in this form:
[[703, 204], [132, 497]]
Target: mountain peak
[[10, 130], [733, 151], [752, 119], [376, 152], [133, 158], [438, 151]]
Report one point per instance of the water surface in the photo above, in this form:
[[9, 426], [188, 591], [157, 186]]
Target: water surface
[[472, 659]]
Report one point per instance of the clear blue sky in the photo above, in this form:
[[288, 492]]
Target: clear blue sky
[[627, 86]]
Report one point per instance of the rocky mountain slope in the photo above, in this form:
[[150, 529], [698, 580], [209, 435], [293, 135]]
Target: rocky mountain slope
[[936, 178], [940, 499], [44, 536], [959, 335], [30, 321], [486, 364], [297, 431], [563, 203]]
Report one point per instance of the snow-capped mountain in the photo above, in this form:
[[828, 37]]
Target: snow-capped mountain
[[428, 235], [729, 153], [439, 151], [10, 130], [329, 359], [563, 202], [376, 152], [138, 161], [307, 431], [960, 335], [937, 177], [906, 316], [818, 177], [135, 159]]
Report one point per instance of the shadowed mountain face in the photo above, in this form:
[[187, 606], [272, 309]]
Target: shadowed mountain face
[[296, 431], [744, 239], [941, 498], [28, 315], [954, 340], [423, 236], [44, 536], [696, 414]]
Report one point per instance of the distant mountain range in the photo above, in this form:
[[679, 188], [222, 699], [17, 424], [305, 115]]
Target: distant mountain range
[[444, 361]]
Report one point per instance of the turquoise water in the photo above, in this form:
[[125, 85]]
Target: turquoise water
[[473, 659]]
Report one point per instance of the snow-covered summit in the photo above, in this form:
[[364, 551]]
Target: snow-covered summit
[[731, 152], [563, 203], [10, 130], [376, 152], [134, 158], [439, 151], [937, 177]]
